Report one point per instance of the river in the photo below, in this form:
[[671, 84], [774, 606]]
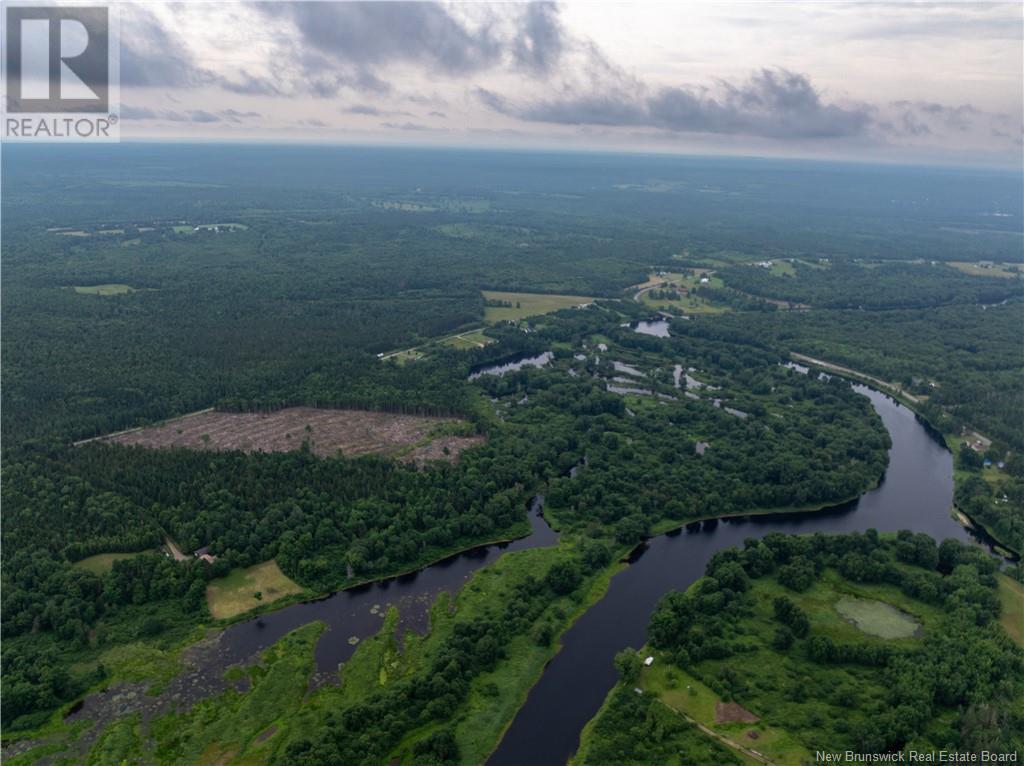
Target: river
[[916, 493]]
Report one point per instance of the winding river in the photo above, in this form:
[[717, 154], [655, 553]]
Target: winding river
[[916, 493]]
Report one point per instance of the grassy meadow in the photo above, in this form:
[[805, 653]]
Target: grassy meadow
[[236, 593], [528, 304], [101, 563]]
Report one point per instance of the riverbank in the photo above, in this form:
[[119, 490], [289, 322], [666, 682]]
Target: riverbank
[[912, 403]]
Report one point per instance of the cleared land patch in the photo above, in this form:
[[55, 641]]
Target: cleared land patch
[[414, 438], [1011, 596], [109, 289], [188, 228], [522, 305], [1002, 270], [877, 618], [101, 563], [236, 593]]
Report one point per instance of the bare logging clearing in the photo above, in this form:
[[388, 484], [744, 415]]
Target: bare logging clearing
[[415, 438]]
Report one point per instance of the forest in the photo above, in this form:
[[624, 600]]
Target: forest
[[337, 521], [872, 287], [248, 280], [759, 630]]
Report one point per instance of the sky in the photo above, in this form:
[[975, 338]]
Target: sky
[[899, 82]]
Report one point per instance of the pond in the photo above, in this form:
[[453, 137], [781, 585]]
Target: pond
[[659, 328], [517, 364]]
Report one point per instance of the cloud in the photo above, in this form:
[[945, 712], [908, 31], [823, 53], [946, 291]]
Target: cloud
[[129, 112], [954, 122], [541, 38], [234, 115], [336, 45], [409, 126], [153, 56], [374, 34], [373, 111], [773, 103]]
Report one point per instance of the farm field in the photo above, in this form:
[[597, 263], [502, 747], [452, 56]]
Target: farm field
[[1003, 270], [528, 304], [328, 432], [108, 289], [236, 593], [101, 562]]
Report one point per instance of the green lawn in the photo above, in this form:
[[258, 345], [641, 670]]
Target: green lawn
[[528, 304], [236, 593], [101, 563], [108, 289]]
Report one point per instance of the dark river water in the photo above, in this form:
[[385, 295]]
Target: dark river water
[[359, 612], [916, 493]]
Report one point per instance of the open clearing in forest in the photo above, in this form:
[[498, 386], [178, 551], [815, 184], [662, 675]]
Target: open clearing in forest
[[101, 563], [351, 432], [877, 618], [111, 289], [1003, 270], [528, 304], [728, 722], [236, 593], [1011, 596], [189, 228]]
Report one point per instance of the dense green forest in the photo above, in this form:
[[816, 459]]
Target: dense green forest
[[761, 630], [872, 287], [151, 281], [329, 522]]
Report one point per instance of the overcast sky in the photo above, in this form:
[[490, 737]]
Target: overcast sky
[[874, 81]]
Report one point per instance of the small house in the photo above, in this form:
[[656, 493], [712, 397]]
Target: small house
[[649, 661], [203, 554]]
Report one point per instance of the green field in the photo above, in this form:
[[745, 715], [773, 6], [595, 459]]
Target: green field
[[528, 304], [101, 562], [1003, 270], [236, 593], [682, 692], [109, 289], [474, 339], [681, 281], [1011, 597], [782, 268], [877, 618]]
